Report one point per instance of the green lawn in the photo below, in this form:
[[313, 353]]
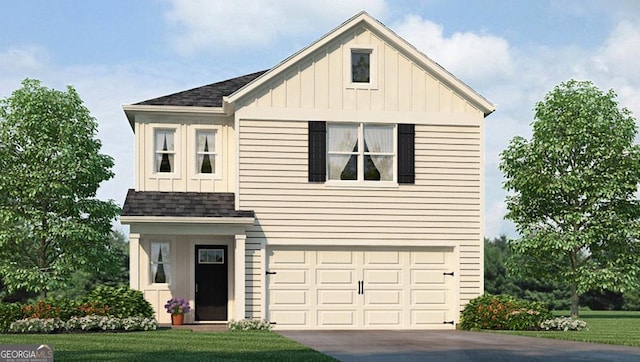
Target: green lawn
[[170, 345], [621, 328]]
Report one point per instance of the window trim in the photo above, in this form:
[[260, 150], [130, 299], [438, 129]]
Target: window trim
[[360, 181], [176, 152], [193, 153], [373, 67]]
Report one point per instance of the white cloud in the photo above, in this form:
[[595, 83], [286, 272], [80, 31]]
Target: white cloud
[[475, 58], [211, 25], [24, 57]]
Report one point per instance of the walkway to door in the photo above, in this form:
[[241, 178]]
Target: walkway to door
[[373, 346]]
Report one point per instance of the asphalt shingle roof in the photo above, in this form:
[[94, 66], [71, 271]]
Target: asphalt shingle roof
[[184, 204], [209, 95]]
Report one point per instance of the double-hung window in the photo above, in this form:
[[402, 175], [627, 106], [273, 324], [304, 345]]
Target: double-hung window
[[165, 151], [206, 152], [361, 152]]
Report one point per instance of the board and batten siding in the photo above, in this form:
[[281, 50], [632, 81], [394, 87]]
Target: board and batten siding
[[443, 207], [318, 82]]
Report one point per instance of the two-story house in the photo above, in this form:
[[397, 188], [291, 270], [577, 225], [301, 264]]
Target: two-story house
[[342, 188]]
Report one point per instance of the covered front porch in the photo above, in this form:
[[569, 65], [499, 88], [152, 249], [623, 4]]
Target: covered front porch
[[194, 249]]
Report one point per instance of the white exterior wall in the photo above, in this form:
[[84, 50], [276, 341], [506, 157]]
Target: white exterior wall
[[445, 205], [185, 178]]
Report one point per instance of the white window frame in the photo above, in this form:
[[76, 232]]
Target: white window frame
[[373, 67], [170, 263], [360, 181], [176, 151], [193, 153]]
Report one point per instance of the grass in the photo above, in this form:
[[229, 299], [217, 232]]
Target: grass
[[170, 345], [610, 327]]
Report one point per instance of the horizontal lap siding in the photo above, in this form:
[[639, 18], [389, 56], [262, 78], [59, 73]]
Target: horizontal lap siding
[[444, 205]]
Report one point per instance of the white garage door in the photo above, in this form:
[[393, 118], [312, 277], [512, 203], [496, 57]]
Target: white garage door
[[334, 288]]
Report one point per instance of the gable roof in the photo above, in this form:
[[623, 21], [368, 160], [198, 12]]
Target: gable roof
[[209, 95], [182, 204], [363, 18]]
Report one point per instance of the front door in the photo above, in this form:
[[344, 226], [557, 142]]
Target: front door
[[211, 283]]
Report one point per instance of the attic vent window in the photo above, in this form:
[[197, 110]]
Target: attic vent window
[[360, 66]]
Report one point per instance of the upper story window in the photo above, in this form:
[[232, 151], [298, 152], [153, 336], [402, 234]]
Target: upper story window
[[205, 151], [361, 67], [165, 151], [345, 153], [360, 152]]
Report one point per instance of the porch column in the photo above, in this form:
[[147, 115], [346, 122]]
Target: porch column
[[239, 277], [134, 261]]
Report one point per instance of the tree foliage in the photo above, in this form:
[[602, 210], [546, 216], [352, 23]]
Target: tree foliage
[[573, 191], [51, 223]]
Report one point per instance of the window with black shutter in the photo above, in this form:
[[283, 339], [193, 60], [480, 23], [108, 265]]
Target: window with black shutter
[[361, 153]]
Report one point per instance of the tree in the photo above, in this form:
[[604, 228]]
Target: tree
[[573, 192], [51, 223]]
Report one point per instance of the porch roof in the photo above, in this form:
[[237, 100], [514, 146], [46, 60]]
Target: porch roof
[[182, 204]]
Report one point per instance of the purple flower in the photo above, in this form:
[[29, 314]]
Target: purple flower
[[177, 305]]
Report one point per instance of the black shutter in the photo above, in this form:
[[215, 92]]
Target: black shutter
[[406, 154], [317, 151]]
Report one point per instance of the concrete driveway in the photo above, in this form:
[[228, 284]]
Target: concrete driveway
[[453, 346]]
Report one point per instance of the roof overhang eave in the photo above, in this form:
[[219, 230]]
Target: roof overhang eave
[[128, 220], [131, 110]]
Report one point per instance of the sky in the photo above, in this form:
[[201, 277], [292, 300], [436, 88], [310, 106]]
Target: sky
[[120, 52]]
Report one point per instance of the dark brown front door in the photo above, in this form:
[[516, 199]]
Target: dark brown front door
[[211, 283]]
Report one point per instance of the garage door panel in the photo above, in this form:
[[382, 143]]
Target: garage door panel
[[335, 257], [383, 297], [383, 318], [334, 297], [426, 297], [290, 317], [428, 317], [290, 276], [336, 276], [332, 318], [382, 257], [427, 258], [427, 277], [377, 277], [285, 257], [287, 297]]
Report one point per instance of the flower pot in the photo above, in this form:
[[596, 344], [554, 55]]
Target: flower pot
[[177, 319]]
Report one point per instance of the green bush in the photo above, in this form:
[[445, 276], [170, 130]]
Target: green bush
[[503, 312], [120, 302], [9, 313]]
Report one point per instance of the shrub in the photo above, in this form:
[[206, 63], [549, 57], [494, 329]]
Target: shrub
[[91, 308], [250, 325], [503, 312], [9, 313], [37, 325], [87, 323], [50, 308], [563, 324], [122, 302]]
